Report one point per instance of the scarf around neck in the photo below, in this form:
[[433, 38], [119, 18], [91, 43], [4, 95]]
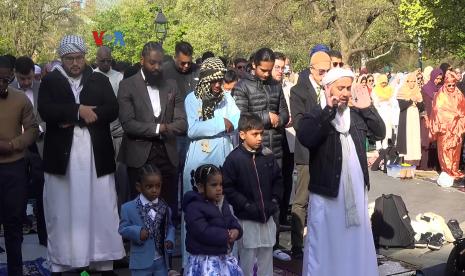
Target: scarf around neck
[[342, 125], [407, 94]]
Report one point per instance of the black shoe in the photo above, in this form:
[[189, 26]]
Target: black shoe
[[2, 250], [436, 242], [455, 229], [56, 273], [297, 254], [424, 240], [108, 273]]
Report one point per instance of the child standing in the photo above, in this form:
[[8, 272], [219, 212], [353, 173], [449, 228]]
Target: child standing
[[253, 186], [211, 229], [146, 222]]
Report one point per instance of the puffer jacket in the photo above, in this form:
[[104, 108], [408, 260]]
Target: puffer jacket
[[261, 97]]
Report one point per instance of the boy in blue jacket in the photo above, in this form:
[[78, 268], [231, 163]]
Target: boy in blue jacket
[[146, 222], [253, 186]]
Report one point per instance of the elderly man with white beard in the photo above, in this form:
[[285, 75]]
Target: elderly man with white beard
[[338, 223]]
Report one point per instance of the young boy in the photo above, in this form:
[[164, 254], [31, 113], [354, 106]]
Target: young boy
[[146, 222], [252, 184]]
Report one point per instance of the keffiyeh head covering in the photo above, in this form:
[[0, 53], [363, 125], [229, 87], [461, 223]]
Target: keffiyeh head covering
[[71, 44], [212, 69]]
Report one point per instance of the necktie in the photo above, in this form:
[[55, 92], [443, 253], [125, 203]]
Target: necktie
[[318, 93]]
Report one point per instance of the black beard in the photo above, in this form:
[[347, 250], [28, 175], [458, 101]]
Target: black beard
[[153, 79]]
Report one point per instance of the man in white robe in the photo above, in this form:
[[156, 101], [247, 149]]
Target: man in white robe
[[339, 240], [78, 106]]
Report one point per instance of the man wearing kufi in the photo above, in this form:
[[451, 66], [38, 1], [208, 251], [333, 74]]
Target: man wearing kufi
[[338, 224]]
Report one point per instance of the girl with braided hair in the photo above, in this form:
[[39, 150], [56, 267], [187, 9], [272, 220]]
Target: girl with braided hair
[[211, 227], [212, 116]]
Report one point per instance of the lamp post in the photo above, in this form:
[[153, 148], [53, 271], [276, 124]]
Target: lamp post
[[161, 27]]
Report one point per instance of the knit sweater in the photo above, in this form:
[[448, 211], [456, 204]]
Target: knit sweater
[[16, 114]]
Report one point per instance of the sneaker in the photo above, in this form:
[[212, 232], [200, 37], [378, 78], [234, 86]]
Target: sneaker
[[436, 241], [455, 228], [424, 240], [281, 255]]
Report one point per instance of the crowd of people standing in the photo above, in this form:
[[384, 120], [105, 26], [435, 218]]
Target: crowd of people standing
[[112, 156]]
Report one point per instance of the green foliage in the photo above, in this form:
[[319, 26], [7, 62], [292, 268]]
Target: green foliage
[[440, 24]]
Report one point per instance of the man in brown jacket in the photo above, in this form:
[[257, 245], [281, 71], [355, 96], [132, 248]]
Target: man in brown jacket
[[18, 130]]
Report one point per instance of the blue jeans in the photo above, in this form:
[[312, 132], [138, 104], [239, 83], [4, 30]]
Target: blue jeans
[[158, 268]]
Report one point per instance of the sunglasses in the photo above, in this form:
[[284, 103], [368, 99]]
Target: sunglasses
[[321, 72], [370, 80], [338, 64], [240, 67], [451, 85]]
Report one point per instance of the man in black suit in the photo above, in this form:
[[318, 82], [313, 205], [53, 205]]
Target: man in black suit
[[306, 94], [152, 115], [24, 81], [78, 106]]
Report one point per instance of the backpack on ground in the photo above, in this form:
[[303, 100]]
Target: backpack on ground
[[456, 261], [391, 223]]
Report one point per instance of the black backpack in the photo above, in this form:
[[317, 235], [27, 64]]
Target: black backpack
[[456, 261], [391, 223]]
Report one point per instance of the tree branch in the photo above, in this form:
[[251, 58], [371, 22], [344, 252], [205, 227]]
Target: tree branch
[[368, 22], [382, 55]]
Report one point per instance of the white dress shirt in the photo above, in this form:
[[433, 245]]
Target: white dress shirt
[[114, 77], [154, 95]]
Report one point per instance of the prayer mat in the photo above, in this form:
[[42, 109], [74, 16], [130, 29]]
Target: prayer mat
[[37, 267]]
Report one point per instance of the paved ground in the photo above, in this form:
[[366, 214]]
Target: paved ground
[[419, 196]]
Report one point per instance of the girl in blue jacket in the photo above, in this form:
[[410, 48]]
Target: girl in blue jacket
[[211, 228]]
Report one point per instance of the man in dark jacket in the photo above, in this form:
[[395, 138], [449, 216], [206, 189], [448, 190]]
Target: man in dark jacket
[[335, 135], [304, 96], [78, 106], [261, 95]]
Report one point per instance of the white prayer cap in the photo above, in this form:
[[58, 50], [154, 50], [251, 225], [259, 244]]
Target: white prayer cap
[[37, 70], [71, 44], [335, 74]]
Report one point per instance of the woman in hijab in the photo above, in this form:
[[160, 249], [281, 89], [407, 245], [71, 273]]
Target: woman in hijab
[[382, 99], [429, 159], [448, 125], [427, 74], [411, 105], [370, 82], [211, 116]]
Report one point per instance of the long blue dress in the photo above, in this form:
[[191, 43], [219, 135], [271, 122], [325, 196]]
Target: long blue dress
[[209, 143]]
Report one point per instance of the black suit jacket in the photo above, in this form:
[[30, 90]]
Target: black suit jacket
[[57, 107], [136, 117], [302, 99]]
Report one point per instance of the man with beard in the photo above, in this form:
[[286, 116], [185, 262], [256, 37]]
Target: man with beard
[[18, 130], [82, 220], [152, 114], [338, 222]]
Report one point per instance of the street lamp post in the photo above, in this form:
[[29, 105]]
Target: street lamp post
[[161, 27]]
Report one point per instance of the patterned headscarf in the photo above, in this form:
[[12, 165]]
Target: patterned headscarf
[[212, 69], [71, 44]]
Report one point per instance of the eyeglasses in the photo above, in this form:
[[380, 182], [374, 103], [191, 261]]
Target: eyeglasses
[[321, 72], [451, 85], [411, 81], [106, 60], [71, 59], [370, 80], [338, 64], [240, 67]]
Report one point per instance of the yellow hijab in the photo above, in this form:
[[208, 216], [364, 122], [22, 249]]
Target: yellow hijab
[[383, 93], [405, 93]]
